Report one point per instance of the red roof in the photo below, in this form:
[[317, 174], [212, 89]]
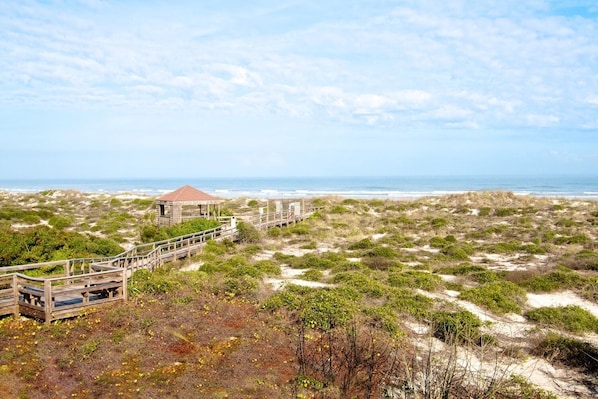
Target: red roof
[[188, 194]]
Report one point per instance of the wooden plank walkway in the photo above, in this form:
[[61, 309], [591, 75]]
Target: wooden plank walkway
[[91, 282]]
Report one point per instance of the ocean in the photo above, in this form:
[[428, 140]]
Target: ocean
[[394, 187]]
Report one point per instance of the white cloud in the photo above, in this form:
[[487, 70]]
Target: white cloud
[[183, 81], [148, 89], [451, 113], [542, 120], [484, 64]]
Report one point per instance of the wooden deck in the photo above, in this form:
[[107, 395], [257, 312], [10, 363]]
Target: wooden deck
[[92, 282]]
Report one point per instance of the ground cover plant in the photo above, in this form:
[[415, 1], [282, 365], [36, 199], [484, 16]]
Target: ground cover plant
[[569, 318], [441, 297]]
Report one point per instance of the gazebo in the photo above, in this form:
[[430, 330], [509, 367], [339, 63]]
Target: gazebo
[[185, 203]]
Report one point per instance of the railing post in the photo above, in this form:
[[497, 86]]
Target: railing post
[[125, 292], [48, 301], [15, 294]]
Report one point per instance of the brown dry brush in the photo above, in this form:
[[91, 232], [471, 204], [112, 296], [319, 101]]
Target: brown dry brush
[[448, 373], [352, 361], [364, 361]]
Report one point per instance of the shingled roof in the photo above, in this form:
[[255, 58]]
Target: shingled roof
[[188, 194]]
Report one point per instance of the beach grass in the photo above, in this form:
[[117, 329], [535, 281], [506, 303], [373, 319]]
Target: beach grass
[[476, 272]]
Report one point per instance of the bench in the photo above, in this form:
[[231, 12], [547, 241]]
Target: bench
[[104, 289], [32, 295]]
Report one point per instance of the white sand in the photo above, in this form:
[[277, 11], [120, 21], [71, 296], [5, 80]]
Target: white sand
[[289, 276], [563, 298]]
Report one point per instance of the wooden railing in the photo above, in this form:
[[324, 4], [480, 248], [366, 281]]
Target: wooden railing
[[9, 294], [62, 297], [86, 283]]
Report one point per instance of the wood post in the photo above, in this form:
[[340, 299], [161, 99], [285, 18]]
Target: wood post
[[15, 293], [125, 288], [48, 301]]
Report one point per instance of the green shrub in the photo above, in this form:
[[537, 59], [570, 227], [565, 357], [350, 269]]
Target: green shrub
[[143, 203], [484, 211], [45, 271], [43, 244], [215, 247], [31, 219], [499, 297], [339, 210], [213, 267], [486, 276], [451, 239], [415, 279], [504, 212], [60, 222], [566, 223], [475, 272], [349, 201], [300, 229], [151, 233], [318, 203], [274, 232], [382, 252], [283, 299], [312, 275], [309, 245], [576, 239], [461, 269], [241, 286], [311, 261], [569, 318], [438, 242], [104, 246], [569, 352], [361, 283], [326, 309], [437, 223], [404, 301], [405, 220], [456, 327], [248, 233], [267, 267], [397, 240], [505, 247], [457, 252], [558, 280], [384, 317], [159, 281], [347, 266], [366, 243], [285, 258], [245, 270]]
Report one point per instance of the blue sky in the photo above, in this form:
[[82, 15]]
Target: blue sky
[[121, 89]]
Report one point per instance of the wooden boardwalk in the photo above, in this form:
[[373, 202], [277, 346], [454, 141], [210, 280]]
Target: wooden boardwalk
[[91, 282]]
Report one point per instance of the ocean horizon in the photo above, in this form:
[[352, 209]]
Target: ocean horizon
[[382, 187]]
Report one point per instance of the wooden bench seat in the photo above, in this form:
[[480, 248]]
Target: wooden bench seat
[[103, 288]]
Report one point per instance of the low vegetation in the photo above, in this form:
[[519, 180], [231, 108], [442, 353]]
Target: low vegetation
[[43, 244], [568, 318], [378, 299]]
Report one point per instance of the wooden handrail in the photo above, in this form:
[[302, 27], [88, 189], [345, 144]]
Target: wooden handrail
[[39, 297]]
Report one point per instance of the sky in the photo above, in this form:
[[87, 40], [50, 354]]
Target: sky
[[158, 89]]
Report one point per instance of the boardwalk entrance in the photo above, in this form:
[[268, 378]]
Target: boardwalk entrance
[[93, 282]]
